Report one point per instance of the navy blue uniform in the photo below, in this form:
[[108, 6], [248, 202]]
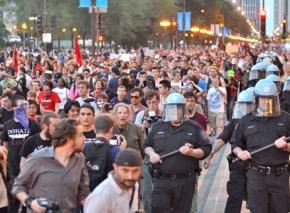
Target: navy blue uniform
[[174, 188], [267, 177], [236, 186]]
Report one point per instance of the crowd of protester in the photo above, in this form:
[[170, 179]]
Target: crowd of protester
[[45, 88]]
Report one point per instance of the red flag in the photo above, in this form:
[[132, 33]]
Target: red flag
[[14, 58], [78, 54]]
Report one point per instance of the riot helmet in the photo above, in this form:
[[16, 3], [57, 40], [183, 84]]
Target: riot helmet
[[257, 72], [287, 85], [244, 104], [276, 80], [267, 99], [272, 69], [174, 110]]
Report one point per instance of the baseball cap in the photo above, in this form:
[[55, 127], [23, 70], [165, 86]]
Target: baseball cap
[[128, 157], [231, 73]]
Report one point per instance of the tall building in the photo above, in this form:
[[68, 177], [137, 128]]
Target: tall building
[[251, 9], [281, 10], [276, 10]]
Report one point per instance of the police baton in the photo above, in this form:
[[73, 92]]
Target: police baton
[[261, 149], [171, 153]]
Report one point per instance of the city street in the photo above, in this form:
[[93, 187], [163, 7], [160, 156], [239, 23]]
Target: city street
[[212, 194]]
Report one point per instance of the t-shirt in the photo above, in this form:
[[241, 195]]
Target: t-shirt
[[33, 144], [63, 94], [183, 72], [6, 115], [90, 100], [90, 136], [200, 119], [48, 102], [216, 100], [15, 134], [202, 84]]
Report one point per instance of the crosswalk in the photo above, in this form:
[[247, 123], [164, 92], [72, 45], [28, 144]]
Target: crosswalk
[[212, 183]]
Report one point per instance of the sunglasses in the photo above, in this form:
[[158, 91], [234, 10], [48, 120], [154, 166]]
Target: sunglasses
[[136, 97]]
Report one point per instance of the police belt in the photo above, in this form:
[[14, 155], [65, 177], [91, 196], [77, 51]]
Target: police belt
[[176, 175], [267, 170]]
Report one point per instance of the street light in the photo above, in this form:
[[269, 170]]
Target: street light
[[63, 30], [165, 23], [24, 28], [194, 29], [74, 29]]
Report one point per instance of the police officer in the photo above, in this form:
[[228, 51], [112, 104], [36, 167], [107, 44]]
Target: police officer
[[175, 180], [267, 176], [272, 69], [236, 186], [256, 73]]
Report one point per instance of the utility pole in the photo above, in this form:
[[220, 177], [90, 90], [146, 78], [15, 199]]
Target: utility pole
[[94, 3], [44, 21]]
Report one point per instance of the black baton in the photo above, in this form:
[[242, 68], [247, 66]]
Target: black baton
[[171, 153], [261, 149]]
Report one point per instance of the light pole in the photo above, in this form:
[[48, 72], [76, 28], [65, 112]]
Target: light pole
[[24, 28], [74, 29], [165, 24], [94, 30], [34, 19]]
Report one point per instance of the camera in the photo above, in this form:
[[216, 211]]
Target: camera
[[151, 117], [116, 140], [50, 204]]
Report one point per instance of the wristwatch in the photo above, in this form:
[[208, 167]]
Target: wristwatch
[[27, 202]]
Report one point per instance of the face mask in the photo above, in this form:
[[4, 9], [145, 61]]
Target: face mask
[[21, 115]]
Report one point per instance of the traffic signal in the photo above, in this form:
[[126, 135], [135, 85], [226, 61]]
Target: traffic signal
[[53, 22], [263, 23], [39, 23], [284, 28], [100, 23], [101, 38]]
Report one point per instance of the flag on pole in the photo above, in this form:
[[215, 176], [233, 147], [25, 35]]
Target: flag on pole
[[78, 54], [14, 59]]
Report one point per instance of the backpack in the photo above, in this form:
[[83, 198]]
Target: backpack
[[98, 162]]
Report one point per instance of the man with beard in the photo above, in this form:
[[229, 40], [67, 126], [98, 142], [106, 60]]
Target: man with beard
[[57, 172], [119, 192], [42, 139]]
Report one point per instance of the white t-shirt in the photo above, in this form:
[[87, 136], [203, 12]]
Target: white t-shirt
[[216, 100], [63, 95]]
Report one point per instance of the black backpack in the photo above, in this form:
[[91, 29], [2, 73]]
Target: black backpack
[[98, 161]]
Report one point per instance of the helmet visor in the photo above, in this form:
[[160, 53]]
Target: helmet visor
[[267, 106], [272, 72], [253, 75], [241, 109], [174, 113], [286, 86]]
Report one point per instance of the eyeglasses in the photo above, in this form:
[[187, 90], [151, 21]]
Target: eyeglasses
[[136, 97]]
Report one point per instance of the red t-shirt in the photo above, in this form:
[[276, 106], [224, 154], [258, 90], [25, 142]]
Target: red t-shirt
[[48, 102]]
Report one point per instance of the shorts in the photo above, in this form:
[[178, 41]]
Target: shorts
[[216, 120]]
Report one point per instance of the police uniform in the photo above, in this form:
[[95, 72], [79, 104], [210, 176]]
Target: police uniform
[[236, 186], [174, 187], [267, 177]]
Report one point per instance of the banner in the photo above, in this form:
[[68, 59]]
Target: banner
[[101, 4]]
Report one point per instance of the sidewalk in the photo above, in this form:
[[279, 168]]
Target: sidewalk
[[212, 185]]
